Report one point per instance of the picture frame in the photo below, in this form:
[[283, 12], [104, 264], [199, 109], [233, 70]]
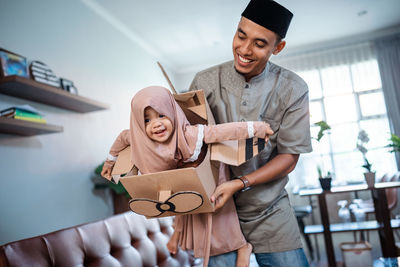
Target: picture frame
[[12, 64], [68, 86]]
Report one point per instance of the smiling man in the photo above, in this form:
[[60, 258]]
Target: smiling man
[[253, 88]]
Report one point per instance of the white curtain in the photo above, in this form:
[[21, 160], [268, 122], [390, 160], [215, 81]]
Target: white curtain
[[388, 56], [327, 57]]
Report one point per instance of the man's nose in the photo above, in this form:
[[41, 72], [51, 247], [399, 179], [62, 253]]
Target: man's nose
[[245, 48]]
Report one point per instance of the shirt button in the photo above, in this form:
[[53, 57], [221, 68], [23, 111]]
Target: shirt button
[[247, 86], [244, 103], [242, 120]]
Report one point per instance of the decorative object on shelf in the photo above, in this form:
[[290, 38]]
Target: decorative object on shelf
[[23, 112], [12, 64], [40, 72], [344, 212], [369, 175], [326, 182], [68, 86]]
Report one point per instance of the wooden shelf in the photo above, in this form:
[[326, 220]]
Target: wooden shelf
[[26, 128], [348, 227], [29, 89]]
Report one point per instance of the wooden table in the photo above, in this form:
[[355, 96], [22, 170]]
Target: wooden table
[[383, 223]]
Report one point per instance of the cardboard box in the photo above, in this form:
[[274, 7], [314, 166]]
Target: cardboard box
[[236, 152], [172, 192]]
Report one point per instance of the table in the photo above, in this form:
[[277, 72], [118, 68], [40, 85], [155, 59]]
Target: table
[[383, 223]]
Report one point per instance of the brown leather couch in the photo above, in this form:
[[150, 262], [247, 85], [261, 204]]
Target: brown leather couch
[[126, 239]]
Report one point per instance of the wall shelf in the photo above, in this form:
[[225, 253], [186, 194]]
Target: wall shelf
[[26, 128], [31, 90]]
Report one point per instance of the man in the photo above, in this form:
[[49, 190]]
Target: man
[[252, 88]]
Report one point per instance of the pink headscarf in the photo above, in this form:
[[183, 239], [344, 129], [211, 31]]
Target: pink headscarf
[[150, 156]]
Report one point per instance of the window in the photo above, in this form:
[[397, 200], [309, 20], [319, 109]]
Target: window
[[348, 96]]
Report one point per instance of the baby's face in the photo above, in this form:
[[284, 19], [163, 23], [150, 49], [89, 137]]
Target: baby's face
[[158, 127]]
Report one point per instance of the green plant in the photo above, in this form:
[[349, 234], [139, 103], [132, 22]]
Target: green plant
[[102, 183], [394, 143], [323, 127], [362, 140]]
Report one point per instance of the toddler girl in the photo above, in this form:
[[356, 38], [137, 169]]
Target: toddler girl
[[161, 138]]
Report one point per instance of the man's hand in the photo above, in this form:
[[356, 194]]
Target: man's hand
[[224, 191]]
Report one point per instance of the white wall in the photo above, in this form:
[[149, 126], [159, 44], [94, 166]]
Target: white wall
[[45, 180]]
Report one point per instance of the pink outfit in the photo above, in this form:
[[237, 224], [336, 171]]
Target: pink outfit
[[186, 140]]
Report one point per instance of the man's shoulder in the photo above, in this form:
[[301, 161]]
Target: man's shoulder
[[289, 76], [216, 69]]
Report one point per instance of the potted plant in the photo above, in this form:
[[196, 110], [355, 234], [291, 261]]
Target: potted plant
[[369, 175], [119, 194], [325, 180], [394, 143]]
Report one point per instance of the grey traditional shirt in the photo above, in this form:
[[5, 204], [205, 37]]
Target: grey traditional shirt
[[279, 97]]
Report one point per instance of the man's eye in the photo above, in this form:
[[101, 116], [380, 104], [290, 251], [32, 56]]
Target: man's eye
[[146, 120], [260, 45]]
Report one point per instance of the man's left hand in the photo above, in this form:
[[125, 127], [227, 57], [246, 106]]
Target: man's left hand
[[224, 191]]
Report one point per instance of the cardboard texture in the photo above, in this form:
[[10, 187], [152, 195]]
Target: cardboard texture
[[236, 152], [172, 192]]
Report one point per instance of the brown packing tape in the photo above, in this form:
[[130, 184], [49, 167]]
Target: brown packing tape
[[236, 152]]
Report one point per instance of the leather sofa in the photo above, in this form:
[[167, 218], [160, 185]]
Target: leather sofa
[[126, 239]]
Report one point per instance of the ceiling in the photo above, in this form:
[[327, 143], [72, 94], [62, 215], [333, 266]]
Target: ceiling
[[189, 35]]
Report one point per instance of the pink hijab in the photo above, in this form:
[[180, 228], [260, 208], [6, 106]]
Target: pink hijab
[[150, 156]]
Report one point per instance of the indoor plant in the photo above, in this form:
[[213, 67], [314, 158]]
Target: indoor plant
[[325, 180], [119, 194], [369, 175], [394, 143]]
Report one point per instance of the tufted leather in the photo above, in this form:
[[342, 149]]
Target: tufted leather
[[127, 239]]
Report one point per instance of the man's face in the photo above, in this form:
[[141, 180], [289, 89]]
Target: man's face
[[252, 47]]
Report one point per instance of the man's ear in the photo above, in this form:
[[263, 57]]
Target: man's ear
[[279, 47]]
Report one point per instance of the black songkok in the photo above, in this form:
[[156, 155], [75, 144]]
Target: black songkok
[[270, 15]]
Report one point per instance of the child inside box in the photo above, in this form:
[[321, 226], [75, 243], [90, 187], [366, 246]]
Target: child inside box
[[162, 138]]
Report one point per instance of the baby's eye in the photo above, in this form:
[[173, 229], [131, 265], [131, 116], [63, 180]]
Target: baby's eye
[[161, 116], [146, 120]]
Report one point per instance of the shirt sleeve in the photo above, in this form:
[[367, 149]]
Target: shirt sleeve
[[294, 131], [227, 131], [122, 141]]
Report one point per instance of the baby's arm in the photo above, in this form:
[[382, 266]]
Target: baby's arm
[[122, 141], [236, 131]]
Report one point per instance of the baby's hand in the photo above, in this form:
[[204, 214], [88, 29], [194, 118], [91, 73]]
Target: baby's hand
[[107, 169], [263, 130]]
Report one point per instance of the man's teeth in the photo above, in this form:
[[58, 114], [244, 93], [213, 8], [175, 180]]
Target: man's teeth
[[244, 60]]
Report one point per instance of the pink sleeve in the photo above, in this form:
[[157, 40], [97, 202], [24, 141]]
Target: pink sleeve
[[122, 141], [234, 131]]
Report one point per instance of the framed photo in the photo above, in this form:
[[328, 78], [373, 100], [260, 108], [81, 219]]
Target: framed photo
[[12, 64], [68, 86]]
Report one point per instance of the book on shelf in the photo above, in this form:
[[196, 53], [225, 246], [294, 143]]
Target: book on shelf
[[23, 112]]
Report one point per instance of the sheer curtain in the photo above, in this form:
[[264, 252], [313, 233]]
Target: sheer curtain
[[388, 56], [346, 92]]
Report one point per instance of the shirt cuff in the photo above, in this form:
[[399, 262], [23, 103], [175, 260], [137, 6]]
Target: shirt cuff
[[250, 129]]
